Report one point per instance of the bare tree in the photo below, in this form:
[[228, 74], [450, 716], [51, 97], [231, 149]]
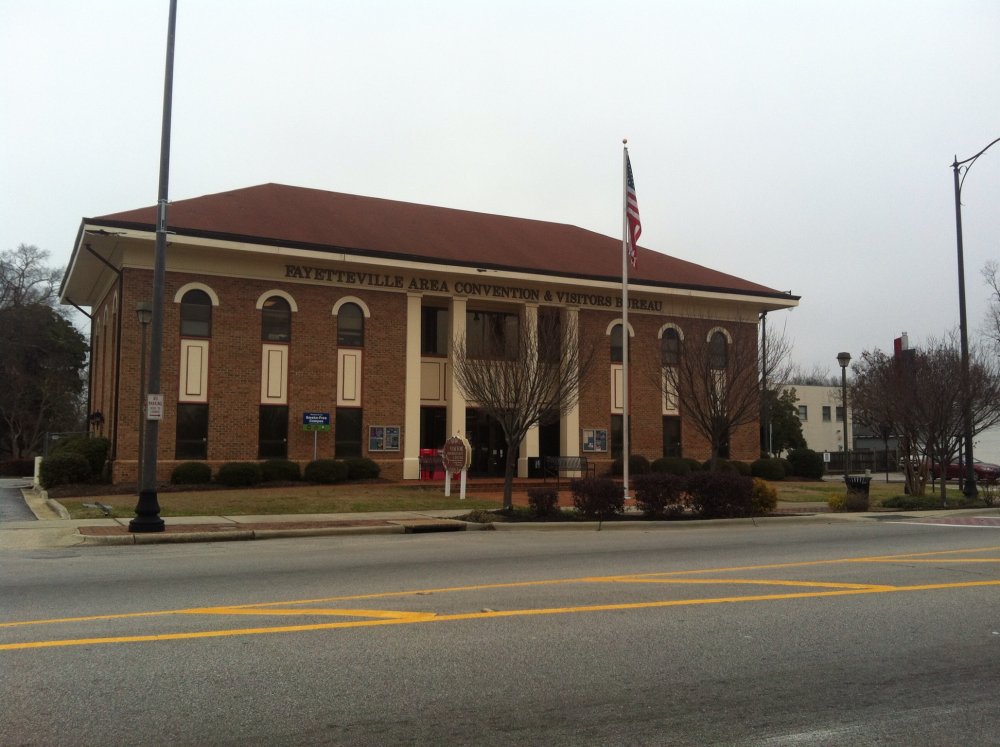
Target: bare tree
[[523, 378], [42, 356], [25, 278], [918, 397], [776, 368], [991, 276], [715, 378]]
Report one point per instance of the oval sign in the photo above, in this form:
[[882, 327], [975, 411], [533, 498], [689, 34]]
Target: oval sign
[[456, 454]]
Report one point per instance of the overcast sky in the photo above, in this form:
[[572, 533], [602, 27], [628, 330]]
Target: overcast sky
[[802, 145]]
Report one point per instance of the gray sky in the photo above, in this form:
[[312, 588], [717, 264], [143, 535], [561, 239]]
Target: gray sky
[[803, 145]]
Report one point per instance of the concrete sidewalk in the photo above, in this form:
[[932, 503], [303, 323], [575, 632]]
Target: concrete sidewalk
[[53, 528]]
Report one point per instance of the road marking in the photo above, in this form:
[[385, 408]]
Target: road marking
[[404, 618], [376, 617]]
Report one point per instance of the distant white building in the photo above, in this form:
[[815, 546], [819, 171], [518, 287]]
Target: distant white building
[[821, 412]]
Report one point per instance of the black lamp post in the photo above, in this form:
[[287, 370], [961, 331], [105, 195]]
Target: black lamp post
[[844, 359], [970, 473], [147, 509], [144, 311]]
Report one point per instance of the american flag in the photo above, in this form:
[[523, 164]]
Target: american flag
[[631, 211]]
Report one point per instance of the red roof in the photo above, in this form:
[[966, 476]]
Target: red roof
[[276, 214]]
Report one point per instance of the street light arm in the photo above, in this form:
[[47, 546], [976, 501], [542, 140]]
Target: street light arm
[[970, 161]]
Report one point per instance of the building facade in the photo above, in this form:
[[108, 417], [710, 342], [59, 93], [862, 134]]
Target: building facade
[[821, 412], [288, 308]]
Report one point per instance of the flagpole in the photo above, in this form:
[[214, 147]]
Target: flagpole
[[625, 335]]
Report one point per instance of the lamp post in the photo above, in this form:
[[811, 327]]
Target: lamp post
[[844, 359], [144, 312], [969, 487], [147, 509]]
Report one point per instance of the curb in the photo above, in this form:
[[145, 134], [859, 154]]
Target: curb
[[235, 535]]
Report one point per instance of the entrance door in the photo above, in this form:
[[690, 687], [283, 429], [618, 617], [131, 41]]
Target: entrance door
[[487, 442]]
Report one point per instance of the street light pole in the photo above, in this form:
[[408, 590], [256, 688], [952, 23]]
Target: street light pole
[[844, 359], [969, 488], [144, 311], [147, 509]]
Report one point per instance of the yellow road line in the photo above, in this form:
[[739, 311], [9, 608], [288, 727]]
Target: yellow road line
[[418, 619], [900, 558]]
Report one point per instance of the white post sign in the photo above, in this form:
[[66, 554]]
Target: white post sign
[[154, 407]]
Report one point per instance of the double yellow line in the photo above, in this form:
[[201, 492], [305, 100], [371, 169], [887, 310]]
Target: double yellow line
[[365, 617]]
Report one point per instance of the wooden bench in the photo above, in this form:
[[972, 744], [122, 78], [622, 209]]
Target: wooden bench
[[555, 466]]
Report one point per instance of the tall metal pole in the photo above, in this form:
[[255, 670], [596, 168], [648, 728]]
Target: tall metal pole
[[765, 397], [969, 489], [625, 340], [844, 359], [147, 510], [144, 311]]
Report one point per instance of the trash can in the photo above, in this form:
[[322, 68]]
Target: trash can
[[857, 493], [858, 484]]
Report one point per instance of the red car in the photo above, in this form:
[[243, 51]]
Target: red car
[[985, 472]]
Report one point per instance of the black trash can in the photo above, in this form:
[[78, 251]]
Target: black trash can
[[858, 484]]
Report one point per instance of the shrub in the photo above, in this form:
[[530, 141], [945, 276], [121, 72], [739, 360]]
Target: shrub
[[543, 501], [806, 463], [660, 494], [836, 502], [17, 467], [694, 464], [787, 465], [325, 471], [239, 474], [856, 500], [671, 466], [717, 495], [637, 465], [361, 468], [191, 473], [768, 469], [765, 498], [740, 468], [913, 502], [597, 497], [64, 468], [94, 450], [280, 470], [721, 465]]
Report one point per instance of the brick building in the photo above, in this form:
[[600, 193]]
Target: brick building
[[282, 301]]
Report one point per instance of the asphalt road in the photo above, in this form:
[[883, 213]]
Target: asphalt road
[[819, 634], [12, 505]]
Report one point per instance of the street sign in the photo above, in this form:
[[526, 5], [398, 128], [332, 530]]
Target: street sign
[[154, 407], [315, 421]]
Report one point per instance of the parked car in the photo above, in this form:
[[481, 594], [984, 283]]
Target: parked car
[[985, 472]]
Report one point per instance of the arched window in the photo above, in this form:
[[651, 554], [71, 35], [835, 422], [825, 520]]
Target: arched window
[[670, 347], [616, 344], [351, 326], [196, 314], [718, 351], [276, 320]]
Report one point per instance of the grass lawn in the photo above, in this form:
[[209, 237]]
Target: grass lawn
[[371, 497], [296, 499], [820, 491]]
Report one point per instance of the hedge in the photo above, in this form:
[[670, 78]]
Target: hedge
[[361, 468], [191, 473], [325, 471], [597, 497], [64, 468], [280, 470], [239, 474], [768, 469]]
